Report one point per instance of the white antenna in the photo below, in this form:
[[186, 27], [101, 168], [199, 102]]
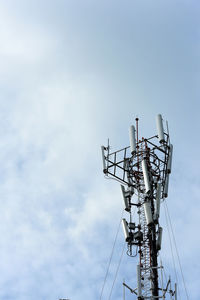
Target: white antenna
[[146, 176], [132, 139], [126, 196], [166, 186], [103, 159], [158, 195], [160, 130], [148, 213], [159, 240], [125, 229], [169, 165]]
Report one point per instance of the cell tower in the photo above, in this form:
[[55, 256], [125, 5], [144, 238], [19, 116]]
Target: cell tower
[[143, 169]]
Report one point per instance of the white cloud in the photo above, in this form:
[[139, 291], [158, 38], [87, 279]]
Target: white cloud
[[67, 84]]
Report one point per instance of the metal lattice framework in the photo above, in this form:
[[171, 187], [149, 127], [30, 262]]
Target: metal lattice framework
[[143, 170]]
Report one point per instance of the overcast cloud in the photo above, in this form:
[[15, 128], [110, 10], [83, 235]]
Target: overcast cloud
[[74, 73]]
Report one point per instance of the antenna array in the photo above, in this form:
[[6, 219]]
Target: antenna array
[[143, 169]]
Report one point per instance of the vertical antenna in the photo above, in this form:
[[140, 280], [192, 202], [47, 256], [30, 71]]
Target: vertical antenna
[[167, 130], [137, 133], [137, 119]]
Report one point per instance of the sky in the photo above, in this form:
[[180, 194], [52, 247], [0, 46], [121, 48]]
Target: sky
[[73, 74]]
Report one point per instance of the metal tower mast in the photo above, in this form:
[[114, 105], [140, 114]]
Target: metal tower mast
[[143, 169]]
